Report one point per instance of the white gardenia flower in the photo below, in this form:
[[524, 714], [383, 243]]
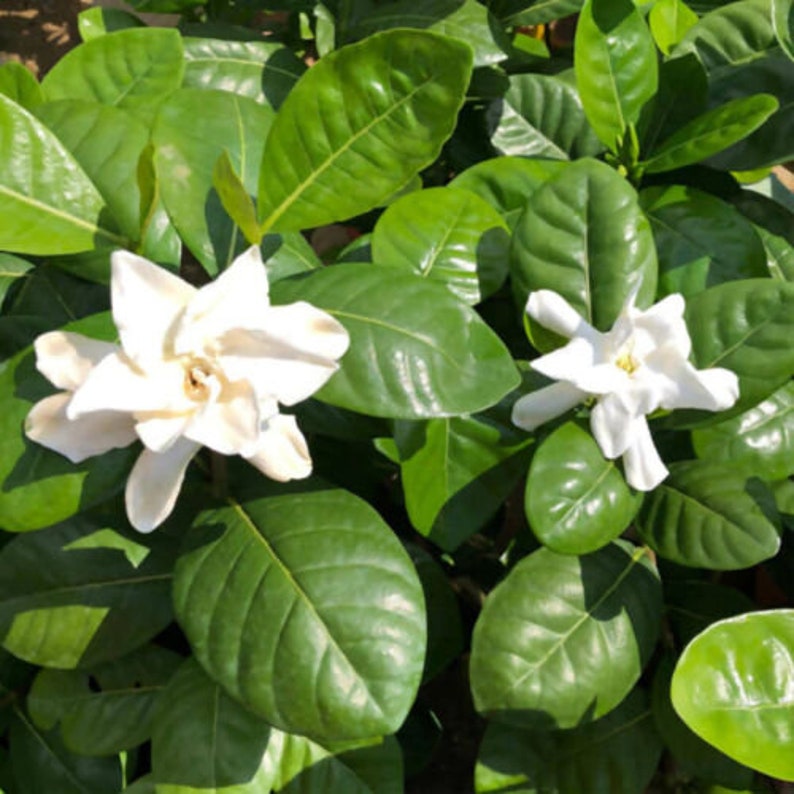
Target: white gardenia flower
[[195, 367], [638, 366]]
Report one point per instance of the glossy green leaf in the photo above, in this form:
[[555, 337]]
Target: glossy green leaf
[[783, 22], [760, 440], [415, 350], [18, 84], [41, 763], [191, 132], [562, 640], [133, 68], [732, 686], [533, 12], [745, 326], [466, 20], [709, 515], [235, 199], [107, 142], [779, 254], [37, 486], [507, 182], [65, 602], [287, 255], [445, 235], [457, 472], [669, 21], [616, 754], [541, 116], [401, 92], [105, 709], [700, 240], [584, 236], [616, 68], [57, 212], [307, 609], [576, 500], [95, 22], [711, 132], [261, 70], [12, 269]]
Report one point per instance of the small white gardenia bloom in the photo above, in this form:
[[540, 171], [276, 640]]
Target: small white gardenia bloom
[[196, 367], [638, 366]]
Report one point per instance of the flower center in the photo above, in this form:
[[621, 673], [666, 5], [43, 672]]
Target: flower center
[[627, 362], [198, 377]]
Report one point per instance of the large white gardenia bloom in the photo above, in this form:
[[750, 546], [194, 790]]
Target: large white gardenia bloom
[[195, 367], [638, 366]]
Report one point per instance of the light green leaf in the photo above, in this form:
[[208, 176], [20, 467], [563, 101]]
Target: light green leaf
[[12, 268], [95, 22], [401, 92], [133, 68], [235, 199], [669, 21], [306, 608], [783, 22], [416, 351], [616, 67], [287, 255], [18, 84], [261, 70], [58, 210], [541, 116], [191, 132], [709, 515], [584, 236], [562, 640], [616, 754], [445, 235], [732, 686], [576, 500]]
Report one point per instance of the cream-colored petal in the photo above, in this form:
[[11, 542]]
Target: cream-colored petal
[[229, 425], [282, 453], [66, 358], [290, 357], [552, 311], [238, 298], [641, 462], [115, 385], [159, 431], [147, 300], [77, 439], [538, 407], [154, 484]]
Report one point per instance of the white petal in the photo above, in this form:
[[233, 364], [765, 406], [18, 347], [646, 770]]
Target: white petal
[[552, 311], [684, 386], [229, 425], [238, 298], [566, 362], [290, 357], [66, 358], [146, 299], [537, 407], [159, 431], [115, 385], [282, 453], [77, 439], [641, 462], [662, 325], [154, 484], [613, 426]]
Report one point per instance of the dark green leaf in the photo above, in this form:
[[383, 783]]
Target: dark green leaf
[[533, 12], [562, 640], [416, 351], [783, 21], [12, 269], [401, 92]]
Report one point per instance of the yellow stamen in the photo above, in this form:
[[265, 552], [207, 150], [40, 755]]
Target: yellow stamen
[[197, 375], [627, 362]]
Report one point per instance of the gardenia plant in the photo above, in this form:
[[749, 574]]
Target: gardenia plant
[[496, 483]]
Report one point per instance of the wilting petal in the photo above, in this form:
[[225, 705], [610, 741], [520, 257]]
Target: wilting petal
[[115, 385], [641, 462], [552, 311], [238, 298], [66, 358], [612, 425], [291, 357], [537, 407], [229, 425], [146, 299], [154, 484], [77, 439], [282, 453]]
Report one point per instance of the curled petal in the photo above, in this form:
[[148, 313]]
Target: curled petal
[[552, 311], [537, 407], [77, 439], [66, 358], [154, 484], [146, 300], [282, 453], [641, 462]]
